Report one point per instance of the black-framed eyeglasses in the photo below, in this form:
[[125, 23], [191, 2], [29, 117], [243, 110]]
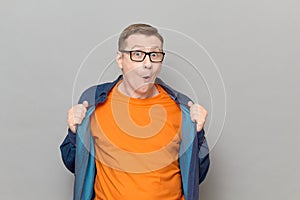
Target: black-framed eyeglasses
[[139, 56]]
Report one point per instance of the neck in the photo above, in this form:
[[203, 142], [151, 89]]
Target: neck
[[127, 90]]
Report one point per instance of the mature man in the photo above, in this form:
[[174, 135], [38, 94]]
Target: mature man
[[136, 137]]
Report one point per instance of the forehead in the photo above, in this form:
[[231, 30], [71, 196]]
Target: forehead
[[143, 41]]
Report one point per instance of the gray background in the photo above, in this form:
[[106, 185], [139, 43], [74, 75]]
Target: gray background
[[254, 43]]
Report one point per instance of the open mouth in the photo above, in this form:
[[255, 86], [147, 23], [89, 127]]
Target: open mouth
[[147, 78]]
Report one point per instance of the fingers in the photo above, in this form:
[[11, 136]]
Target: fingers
[[76, 114], [200, 125], [85, 104], [190, 103], [198, 114], [193, 112]]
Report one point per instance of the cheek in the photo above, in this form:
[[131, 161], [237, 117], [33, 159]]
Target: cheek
[[157, 69], [127, 66], [130, 69]]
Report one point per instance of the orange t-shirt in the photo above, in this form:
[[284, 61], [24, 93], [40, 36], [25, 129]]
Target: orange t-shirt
[[136, 147]]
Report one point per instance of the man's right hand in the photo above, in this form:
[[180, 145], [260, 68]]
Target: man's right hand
[[76, 114]]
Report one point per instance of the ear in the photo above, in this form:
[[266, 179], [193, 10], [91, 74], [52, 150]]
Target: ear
[[119, 59]]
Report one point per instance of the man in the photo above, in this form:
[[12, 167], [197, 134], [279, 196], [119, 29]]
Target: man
[[136, 137]]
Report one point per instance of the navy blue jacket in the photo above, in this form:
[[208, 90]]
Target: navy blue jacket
[[78, 149]]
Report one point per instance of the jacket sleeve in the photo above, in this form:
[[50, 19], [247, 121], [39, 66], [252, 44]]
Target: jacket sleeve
[[204, 160], [68, 151], [68, 147]]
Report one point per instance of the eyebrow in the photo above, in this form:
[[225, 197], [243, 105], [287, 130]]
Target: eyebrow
[[155, 47]]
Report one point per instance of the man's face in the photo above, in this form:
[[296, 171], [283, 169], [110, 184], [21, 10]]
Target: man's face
[[139, 77]]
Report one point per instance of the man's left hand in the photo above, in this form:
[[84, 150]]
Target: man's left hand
[[198, 114]]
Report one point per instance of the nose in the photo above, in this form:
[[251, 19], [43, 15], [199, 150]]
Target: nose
[[147, 62]]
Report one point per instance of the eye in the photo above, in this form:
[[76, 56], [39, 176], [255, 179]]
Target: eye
[[153, 54], [137, 53]]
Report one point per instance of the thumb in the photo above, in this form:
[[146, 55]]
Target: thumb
[[190, 103], [85, 104]]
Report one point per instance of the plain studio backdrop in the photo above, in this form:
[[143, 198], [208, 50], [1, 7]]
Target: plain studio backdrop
[[240, 59]]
